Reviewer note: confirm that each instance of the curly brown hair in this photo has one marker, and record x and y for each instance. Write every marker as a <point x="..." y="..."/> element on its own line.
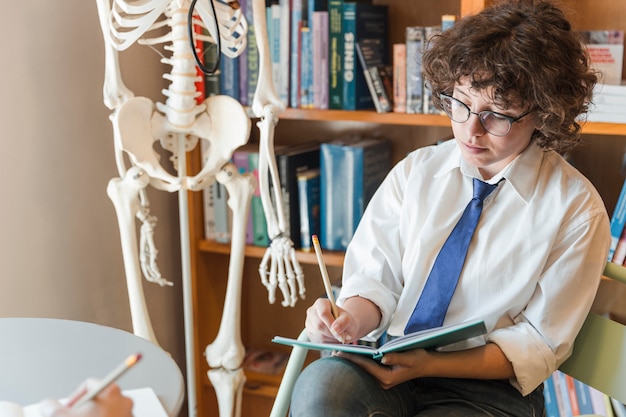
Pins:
<point x="527" y="52"/>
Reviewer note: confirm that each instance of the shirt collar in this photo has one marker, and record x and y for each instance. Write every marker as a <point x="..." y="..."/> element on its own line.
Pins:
<point x="521" y="173"/>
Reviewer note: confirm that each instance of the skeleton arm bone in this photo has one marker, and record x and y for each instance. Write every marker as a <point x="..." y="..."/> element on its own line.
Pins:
<point x="284" y="269"/>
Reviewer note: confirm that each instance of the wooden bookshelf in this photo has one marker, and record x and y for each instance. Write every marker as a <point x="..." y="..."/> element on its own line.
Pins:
<point x="600" y="159"/>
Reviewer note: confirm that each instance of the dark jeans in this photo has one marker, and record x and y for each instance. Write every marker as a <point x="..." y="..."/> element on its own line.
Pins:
<point x="333" y="387"/>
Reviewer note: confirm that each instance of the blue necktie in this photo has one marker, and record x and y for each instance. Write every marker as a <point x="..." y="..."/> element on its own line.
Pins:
<point x="431" y="308"/>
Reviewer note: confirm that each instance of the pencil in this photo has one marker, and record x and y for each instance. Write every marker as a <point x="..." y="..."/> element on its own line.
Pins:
<point x="324" y="271"/>
<point x="85" y="394"/>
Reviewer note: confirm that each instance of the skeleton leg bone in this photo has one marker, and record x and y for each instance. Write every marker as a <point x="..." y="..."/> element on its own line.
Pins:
<point x="227" y="350"/>
<point x="124" y="193"/>
<point x="228" y="387"/>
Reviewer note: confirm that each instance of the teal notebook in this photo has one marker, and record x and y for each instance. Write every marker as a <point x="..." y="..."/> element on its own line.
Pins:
<point x="424" y="339"/>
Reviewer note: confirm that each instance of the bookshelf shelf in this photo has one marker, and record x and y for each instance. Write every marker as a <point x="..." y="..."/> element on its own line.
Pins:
<point x="427" y="120"/>
<point x="308" y="258"/>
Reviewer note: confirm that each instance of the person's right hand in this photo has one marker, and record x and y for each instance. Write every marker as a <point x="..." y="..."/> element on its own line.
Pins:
<point x="108" y="403"/>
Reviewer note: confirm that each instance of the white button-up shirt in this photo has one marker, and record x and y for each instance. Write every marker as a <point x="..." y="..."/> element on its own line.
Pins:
<point x="532" y="268"/>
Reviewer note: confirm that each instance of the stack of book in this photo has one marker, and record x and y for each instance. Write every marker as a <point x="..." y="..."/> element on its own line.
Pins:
<point x="325" y="188"/>
<point x="566" y="396"/>
<point x="608" y="104"/>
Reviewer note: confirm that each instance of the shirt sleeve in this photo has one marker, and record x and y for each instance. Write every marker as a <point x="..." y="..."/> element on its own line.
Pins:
<point x="542" y="336"/>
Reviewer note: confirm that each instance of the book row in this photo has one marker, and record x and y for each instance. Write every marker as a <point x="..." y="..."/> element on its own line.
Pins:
<point x="566" y="396"/>
<point x="325" y="188"/>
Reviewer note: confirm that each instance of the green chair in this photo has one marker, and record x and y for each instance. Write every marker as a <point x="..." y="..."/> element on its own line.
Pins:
<point x="598" y="359"/>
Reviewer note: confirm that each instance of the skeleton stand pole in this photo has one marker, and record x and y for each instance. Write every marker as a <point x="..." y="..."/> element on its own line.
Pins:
<point x="183" y="215"/>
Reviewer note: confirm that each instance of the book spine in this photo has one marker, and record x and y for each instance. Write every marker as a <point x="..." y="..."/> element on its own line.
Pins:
<point x="259" y="223"/>
<point x="573" y="397"/>
<point x="618" y="220"/>
<point x="562" y="394"/>
<point x="229" y="79"/>
<point x="427" y="96"/>
<point x="222" y="213"/>
<point x="309" y="205"/>
<point x="399" y="78"/>
<point x="414" y="81"/>
<point x="335" y="50"/>
<point x="549" y="394"/>
<point x="597" y="401"/>
<point x="282" y="86"/>
<point x="211" y="81"/>
<point x="619" y="409"/>
<point x="334" y="210"/>
<point x="584" y="397"/>
<point x="296" y="50"/>
<point x="349" y="61"/>
<point x="368" y="77"/>
<point x="306" y="68"/>
<point x="320" y="60"/>
<point x="252" y="56"/>
<point x="240" y="159"/>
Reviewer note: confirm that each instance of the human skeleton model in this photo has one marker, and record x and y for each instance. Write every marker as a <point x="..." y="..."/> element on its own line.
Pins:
<point x="178" y="124"/>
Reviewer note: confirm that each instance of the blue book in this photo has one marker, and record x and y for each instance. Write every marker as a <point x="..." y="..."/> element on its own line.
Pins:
<point x="229" y="77"/>
<point x="549" y="393"/>
<point x="335" y="53"/>
<point x="351" y="168"/>
<point x="248" y="60"/>
<point x="562" y="394"/>
<point x="309" y="205"/>
<point x="360" y="21"/>
<point x="296" y="50"/>
<point x="618" y="220"/>
<point x="584" y="397"/>
<point x="306" y="68"/>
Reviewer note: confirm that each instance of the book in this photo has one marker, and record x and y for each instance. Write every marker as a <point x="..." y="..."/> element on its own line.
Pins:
<point x="549" y="395"/>
<point x="618" y="220"/>
<point x="572" y="394"/>
<point x="320" y="59"/>
<point x="360" y="21"/>
<point x="295" y="47"/>
<point x="352" y="168"/>
<point x="414" y="39"/>
<point x="335" y="53"/>
<point x="606" y="52"/>
<point x="562" y="394"/>
<point x="223" y="215"/>
<point x="583" y="396"/>
<point x="619" y="256"/>
<point x="399" y="77"/>
<point x="306" y="66"/>
<point x="291" y="160"/>
<point x="597" y="401"/>
<point x="309" y="205"/>
<point x="249" y="59"/>
<point x="229" y="77"/>
<point x="376" y="73"/>
<point x="428" y="106"/>
<point x="424" y="339"/>
<point x="282" y="86"/>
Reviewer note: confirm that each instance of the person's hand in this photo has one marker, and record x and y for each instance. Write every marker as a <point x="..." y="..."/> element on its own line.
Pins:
<point x="108" y="403"/>
<point x="322" y="327"/>
<point x="393" y="369"/>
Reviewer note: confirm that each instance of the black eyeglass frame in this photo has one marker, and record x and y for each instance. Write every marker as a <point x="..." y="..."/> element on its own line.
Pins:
<point x="510" y="119"/>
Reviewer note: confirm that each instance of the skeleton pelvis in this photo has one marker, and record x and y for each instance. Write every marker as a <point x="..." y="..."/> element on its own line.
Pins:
<point x="224" y="124"/>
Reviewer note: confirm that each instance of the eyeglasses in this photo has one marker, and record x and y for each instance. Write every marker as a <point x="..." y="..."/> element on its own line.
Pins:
<point x="497" y="124"/>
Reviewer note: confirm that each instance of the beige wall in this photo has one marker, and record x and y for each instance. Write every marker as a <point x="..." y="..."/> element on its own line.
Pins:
<point x="60" y="254"/>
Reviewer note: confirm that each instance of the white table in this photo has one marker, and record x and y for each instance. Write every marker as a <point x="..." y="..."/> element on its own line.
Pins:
<point x="48" y="358"/>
